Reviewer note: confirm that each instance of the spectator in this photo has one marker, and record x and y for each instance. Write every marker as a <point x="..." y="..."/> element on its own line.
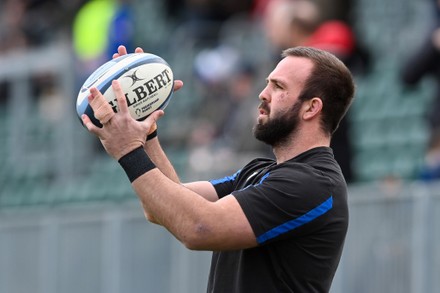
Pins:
<point x="203" y="18"/>
<point x="32" y="23"/>
<point x="425" y="61"/>
<point x="12" y="34"/>
<point x="227" y="112"/>
<point x="99" y="27"/>
<point x="431" y="168"/>
<point x="303" y="25"/>
<point x="121" y="28"/>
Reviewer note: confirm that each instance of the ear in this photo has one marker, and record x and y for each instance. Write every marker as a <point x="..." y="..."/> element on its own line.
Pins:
<point x="312" y="108"/>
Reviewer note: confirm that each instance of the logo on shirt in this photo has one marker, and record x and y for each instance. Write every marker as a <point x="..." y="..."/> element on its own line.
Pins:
<point x="252" y="175"/>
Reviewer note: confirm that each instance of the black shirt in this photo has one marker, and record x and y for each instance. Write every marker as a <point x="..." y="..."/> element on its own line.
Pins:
<point x="298" y="212"/>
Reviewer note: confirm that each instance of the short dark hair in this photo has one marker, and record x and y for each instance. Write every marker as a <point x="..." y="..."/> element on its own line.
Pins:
<point x="330" y="80"/>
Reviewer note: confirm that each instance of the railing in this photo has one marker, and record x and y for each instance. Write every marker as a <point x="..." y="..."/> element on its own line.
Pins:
<point x="39" y="113"/>
<point x="392" y="246"/>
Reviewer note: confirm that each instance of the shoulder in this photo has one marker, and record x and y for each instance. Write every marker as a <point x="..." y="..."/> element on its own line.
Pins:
<point x="313" y="172"/>
<point x="259" y="162"/>
<point x="315" y="163"/>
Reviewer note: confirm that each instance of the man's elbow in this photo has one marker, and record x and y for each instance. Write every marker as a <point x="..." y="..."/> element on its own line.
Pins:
<point x="150" y="218"/>
<point x="198" y="238"/>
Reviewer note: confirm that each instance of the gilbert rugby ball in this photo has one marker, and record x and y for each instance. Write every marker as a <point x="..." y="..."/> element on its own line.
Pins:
<point x="146" y="80"/>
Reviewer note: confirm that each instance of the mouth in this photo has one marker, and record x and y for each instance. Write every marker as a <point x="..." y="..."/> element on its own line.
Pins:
<point x="263" y="113"/>
<point x="263" y="109"/>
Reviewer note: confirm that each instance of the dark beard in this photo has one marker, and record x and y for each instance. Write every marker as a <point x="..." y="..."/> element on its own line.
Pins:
<point x="276" y="130"/>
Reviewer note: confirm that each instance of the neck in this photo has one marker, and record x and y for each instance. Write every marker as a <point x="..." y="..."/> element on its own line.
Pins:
<point x="299" y="143"/>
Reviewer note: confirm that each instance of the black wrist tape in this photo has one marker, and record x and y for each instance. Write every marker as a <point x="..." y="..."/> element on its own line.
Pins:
<point x="152" y="135"/>
<point x="136" y="163"/>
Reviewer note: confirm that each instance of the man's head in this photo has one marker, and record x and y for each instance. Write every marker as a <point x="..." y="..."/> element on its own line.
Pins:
<point x="306" y="78"/>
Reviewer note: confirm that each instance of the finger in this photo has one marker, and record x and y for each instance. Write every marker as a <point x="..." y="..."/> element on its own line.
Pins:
<point x="120" y="97"/>
<point x="101" y="108"/>
<point x="152" y="119"/>
<point x="115" y="55"/>
<point x="122" y="50"/>
<point x="139" y="50"/>
<point x="155" y="116"/>
<point x="89" y="125"/>
<point x="178" y="84"/>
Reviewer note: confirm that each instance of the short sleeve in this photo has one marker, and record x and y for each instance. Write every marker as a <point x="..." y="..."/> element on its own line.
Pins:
<point x="225" y="185"/>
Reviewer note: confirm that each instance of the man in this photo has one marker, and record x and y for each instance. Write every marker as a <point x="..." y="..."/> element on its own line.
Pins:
<point x="275" y="225"/>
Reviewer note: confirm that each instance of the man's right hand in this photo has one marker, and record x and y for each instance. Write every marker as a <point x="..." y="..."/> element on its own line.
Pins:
<point x="178" y="84"/>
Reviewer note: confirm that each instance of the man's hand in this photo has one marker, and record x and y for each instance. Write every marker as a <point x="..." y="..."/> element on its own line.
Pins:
<point x="120" y="133"/>
<point x="178" y="84"/>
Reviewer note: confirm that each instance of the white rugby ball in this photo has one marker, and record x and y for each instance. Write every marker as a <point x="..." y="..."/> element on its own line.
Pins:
<point x="146" y="80"/>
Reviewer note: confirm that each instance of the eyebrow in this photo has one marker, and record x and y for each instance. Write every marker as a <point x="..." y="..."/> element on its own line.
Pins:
<point x="275" y="81"/>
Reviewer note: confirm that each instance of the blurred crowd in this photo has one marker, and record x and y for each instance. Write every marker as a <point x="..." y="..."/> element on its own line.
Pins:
<point x="425" y="61"/>
<point x="227" y="81"/>
<point x="32" y="24"/>
<point x="28" y="24"/>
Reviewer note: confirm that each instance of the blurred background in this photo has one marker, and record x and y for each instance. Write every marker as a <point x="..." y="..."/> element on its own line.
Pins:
<point x="69" y="221"/>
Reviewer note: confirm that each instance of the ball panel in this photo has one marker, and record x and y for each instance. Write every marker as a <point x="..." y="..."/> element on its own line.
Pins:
<point x="146" y="79"/>
<point x="146" y="87"/>
<point x="102" y="70"/>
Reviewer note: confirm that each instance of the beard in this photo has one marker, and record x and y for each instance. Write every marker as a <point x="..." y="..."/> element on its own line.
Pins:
<point x="276" y="131"/>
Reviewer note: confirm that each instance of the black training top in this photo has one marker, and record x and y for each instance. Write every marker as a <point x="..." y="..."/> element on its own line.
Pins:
<point x="298" y="212"/>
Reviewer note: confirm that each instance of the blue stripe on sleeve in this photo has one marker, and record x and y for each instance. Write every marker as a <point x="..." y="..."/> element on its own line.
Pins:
<point x="225" y="179"/>
<point x="264" y="178"/>
<point x="295" y="223"/>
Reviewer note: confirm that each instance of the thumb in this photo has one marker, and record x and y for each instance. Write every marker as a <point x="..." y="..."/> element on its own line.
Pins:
<point x="154" y="117"/>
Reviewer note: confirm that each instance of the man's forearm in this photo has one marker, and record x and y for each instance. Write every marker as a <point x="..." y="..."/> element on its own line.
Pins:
<point x="159" y="158"/>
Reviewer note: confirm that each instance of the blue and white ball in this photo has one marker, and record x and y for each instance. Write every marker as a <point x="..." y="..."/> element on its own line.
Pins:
<point x="146" y="80"/>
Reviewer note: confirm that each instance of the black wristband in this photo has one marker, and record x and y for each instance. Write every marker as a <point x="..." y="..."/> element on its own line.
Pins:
<point x="152" y="135"/>
<point x="136" y="163"/>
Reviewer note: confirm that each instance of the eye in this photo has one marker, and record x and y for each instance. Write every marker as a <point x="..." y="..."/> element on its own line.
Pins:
<point x="277" y="85"/>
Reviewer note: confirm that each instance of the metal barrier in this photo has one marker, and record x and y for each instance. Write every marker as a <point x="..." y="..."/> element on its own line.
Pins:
<point x="43" y="134"/>
<point x="391" y="247"/>
<point x="392" y="238"/>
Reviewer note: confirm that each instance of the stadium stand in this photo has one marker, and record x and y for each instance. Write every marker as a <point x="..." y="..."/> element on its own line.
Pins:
<point x="389" y="128"/>
<point x="389" y="133"/>
<point x="66" y="209"/>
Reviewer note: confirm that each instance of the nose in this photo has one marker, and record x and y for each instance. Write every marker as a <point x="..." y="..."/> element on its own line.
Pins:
<point x="264" y="95"/>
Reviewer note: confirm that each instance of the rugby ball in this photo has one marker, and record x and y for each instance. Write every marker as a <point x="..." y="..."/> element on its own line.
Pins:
<point x="146" y="80"/>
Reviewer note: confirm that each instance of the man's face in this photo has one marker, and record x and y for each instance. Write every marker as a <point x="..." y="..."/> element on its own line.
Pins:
<point x="280" y="110"/>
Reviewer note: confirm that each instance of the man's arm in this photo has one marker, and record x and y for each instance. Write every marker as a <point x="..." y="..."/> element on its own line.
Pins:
<point x="158" y="157"/>
<point x="197" y="222"/>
